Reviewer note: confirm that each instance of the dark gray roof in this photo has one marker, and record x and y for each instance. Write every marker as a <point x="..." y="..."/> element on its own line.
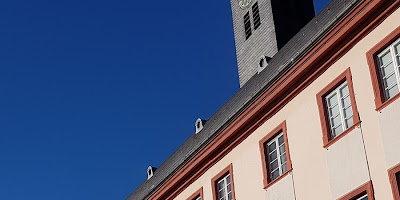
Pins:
<point x="299" y="45"/>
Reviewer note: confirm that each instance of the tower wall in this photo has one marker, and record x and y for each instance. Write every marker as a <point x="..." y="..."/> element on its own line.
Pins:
<point x="280" y="21"/>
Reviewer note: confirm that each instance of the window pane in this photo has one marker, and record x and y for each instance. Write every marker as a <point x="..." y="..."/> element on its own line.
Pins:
<point x="349" y="122"/>
<point x="272" y="147"/>
<point x="344" y="91"/>
<point x="334" y="110"/>
<point x="274" y="165"/>
<point x="221" y="185"/>
<point x="346" y="102"/>
<point x="387" y="69"/>
<point x="228" y="179"/>
<point x="274" y="175"/>
<point x="390" y="80"/>
<point x="284" y="169"/>
<point x="281" y="140"/>
<point x="385" y="58"/>
<point x="273" y="156"/>
<point x="348" y="112"/>
<point x="397" y="48"/>
<point x="398" y="60"/>
<point x="332" y="100"/>
<point x="221" y="194"/>
<point x="392" y="91"/>
<point x="397" y="52"/>
<point x="230" y="196"/>
<point x="282" y="149"/>
<point x="229" y="188"/>
<point x="336" y="131"/>
<point x="336" y="121"/>
<point x="283" y="158"/>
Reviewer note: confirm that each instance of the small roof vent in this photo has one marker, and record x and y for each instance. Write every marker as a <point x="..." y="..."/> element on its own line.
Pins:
<point x="199" y="124"/>
<point x="264" y="60"/>
<point x="150" y="172"/>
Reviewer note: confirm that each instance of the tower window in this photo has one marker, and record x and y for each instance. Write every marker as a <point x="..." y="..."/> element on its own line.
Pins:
<point x="256" y="16"/>
<point x="247" y="25"/>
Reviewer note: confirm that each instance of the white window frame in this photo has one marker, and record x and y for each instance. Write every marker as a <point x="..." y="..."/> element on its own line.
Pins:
<point x="339" y="99"/>
<point x="396" y="65"/>
<point x="366" y="195"/>
<point x="198" y="198"/>
<point x="278" y="157"/>
<point x="226" y="192"/>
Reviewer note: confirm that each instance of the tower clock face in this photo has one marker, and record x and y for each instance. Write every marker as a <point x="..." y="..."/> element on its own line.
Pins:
<point x="244" y="3"/>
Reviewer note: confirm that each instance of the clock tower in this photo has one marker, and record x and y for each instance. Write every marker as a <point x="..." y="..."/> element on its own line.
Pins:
<point x="262" y="27"/>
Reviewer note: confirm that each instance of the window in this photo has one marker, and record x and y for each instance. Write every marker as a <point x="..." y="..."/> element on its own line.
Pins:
<point x="198" y="195"/>
<point x="275" y="155"/>
<point x="256" y="20"/>
<point x="394" y="177"/>
<point x="364" y="192"/>
<point x="337" y="108"/>
<point x="340" y="113"/>
<point x="388" y="63"/>
<point x="256" y="15"/>
<point x="384" y="64"/>
<point x="222" y="185"/>
<point x="247" y="25"/>
<point x="224" y="189"/>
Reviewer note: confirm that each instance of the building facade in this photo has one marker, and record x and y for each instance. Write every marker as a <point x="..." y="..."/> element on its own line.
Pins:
<point x="319" y="119"/>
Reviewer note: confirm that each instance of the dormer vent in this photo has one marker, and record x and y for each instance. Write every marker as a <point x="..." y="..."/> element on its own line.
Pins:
<point x="199" y="124"/>
<point x="264" y="60"/>
<point x="150" y="172"/>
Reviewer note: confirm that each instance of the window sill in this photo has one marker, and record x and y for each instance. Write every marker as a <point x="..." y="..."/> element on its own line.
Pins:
<point x="268" y="185"/>
<point x="337" y="138"/>
<point x="387" y="102"/>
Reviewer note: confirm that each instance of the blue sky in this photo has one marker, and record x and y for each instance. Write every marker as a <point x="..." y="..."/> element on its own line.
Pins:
<point x="93" y="92"/>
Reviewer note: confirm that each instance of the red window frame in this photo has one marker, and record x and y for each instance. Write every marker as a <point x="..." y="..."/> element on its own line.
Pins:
<point x="223" y="173"/>
<point x="359" y="192"/>
<point x="380" y="101"/>
<point x="394" y="182"/>
<point x="323" y="113"/>
<point x="280" y="128"/>
<point x="196" y="195"/>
